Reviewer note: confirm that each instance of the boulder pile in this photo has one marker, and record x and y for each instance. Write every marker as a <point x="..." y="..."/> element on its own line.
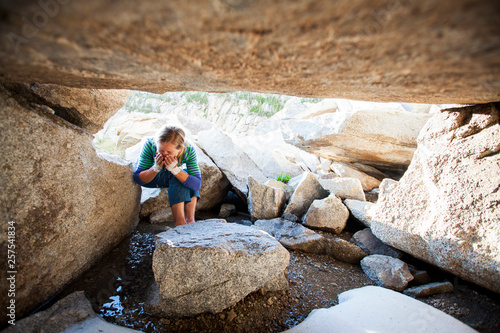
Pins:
<point x="311" y="211"/>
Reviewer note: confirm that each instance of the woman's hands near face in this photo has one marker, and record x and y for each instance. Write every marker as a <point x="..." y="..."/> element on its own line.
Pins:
<point x="168" y="160"/>
<point x="159" y="160"/>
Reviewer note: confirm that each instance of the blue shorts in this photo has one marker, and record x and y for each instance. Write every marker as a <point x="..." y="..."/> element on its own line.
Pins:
<point x="177" y="192"/>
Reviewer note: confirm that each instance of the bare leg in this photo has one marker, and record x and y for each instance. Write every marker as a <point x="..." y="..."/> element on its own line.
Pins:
<point x="178" y="212"/>
<point x="189" y="210"/>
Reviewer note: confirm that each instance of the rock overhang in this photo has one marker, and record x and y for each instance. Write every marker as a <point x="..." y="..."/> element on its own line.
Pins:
<point x="425" y="51"/>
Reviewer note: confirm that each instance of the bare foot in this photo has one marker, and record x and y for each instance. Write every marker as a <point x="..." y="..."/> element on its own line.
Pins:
<point x="190" y="222"/>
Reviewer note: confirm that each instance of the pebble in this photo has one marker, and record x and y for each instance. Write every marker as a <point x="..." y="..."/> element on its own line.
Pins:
<point x="231" y="315"/>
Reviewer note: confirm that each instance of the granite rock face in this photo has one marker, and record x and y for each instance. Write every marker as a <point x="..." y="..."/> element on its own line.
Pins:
<point x="378" y="137"/>
<point x="444" y="210"/>
<point x="88" y="109"/>
<point x="398" y="50"/>
<point x="69" y="205"/>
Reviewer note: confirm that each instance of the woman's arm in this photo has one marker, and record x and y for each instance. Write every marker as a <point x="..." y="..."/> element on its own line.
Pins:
<point x="144" y="172"/>
<point x="192" y="178"/>
<point x="148" y="175"/>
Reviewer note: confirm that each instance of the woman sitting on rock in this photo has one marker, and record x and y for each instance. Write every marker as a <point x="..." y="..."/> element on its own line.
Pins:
<point x="158" y="166"/>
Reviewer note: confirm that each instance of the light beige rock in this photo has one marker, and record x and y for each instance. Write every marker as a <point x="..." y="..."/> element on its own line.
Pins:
<point x="214" y="185"/>
<point x="264" y="202"/>
<point x="445" y="208"/>
<point x="278" y="184"/>
<point x="155" y="204"/>
<point x="327" y="214"/>
<point x="232" y="161"/>
<point x="344" y="187"/>
<point x="307" y="189"/>
<point x="361" y="210"/>
<point x="131" y="128"/>
<point x="345" y="170"/>
<point x="272" y="155"/>
<point x="382" y="138"/>
<point x="387" y="185"/>
<point x="367" y="309"/>
<point x="218" y="263"/>
<point x="70" y="206"/>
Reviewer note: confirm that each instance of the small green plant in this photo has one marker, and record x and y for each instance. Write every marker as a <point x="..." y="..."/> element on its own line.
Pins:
<point x="283" y="178"/>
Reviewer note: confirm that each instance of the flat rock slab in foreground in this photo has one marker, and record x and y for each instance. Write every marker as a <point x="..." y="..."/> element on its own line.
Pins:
<point x="376" y="309"/>
<point x="209" y="266"/>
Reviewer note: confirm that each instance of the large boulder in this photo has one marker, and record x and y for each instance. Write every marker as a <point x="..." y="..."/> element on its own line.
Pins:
<point x="214" y="184"/>
<point x="327" y="214"/>
<point x="444" y="210"/>
<point x="307" y="189"/>
<point x="274" y="156"/>
<point x="383" y="138"/>
<point x="68" y="205"/>
<point x="264" y="201"/>
<point x="231" y="160"/>
<point x="209" y="266"/>
<point x="272" y="162"/>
